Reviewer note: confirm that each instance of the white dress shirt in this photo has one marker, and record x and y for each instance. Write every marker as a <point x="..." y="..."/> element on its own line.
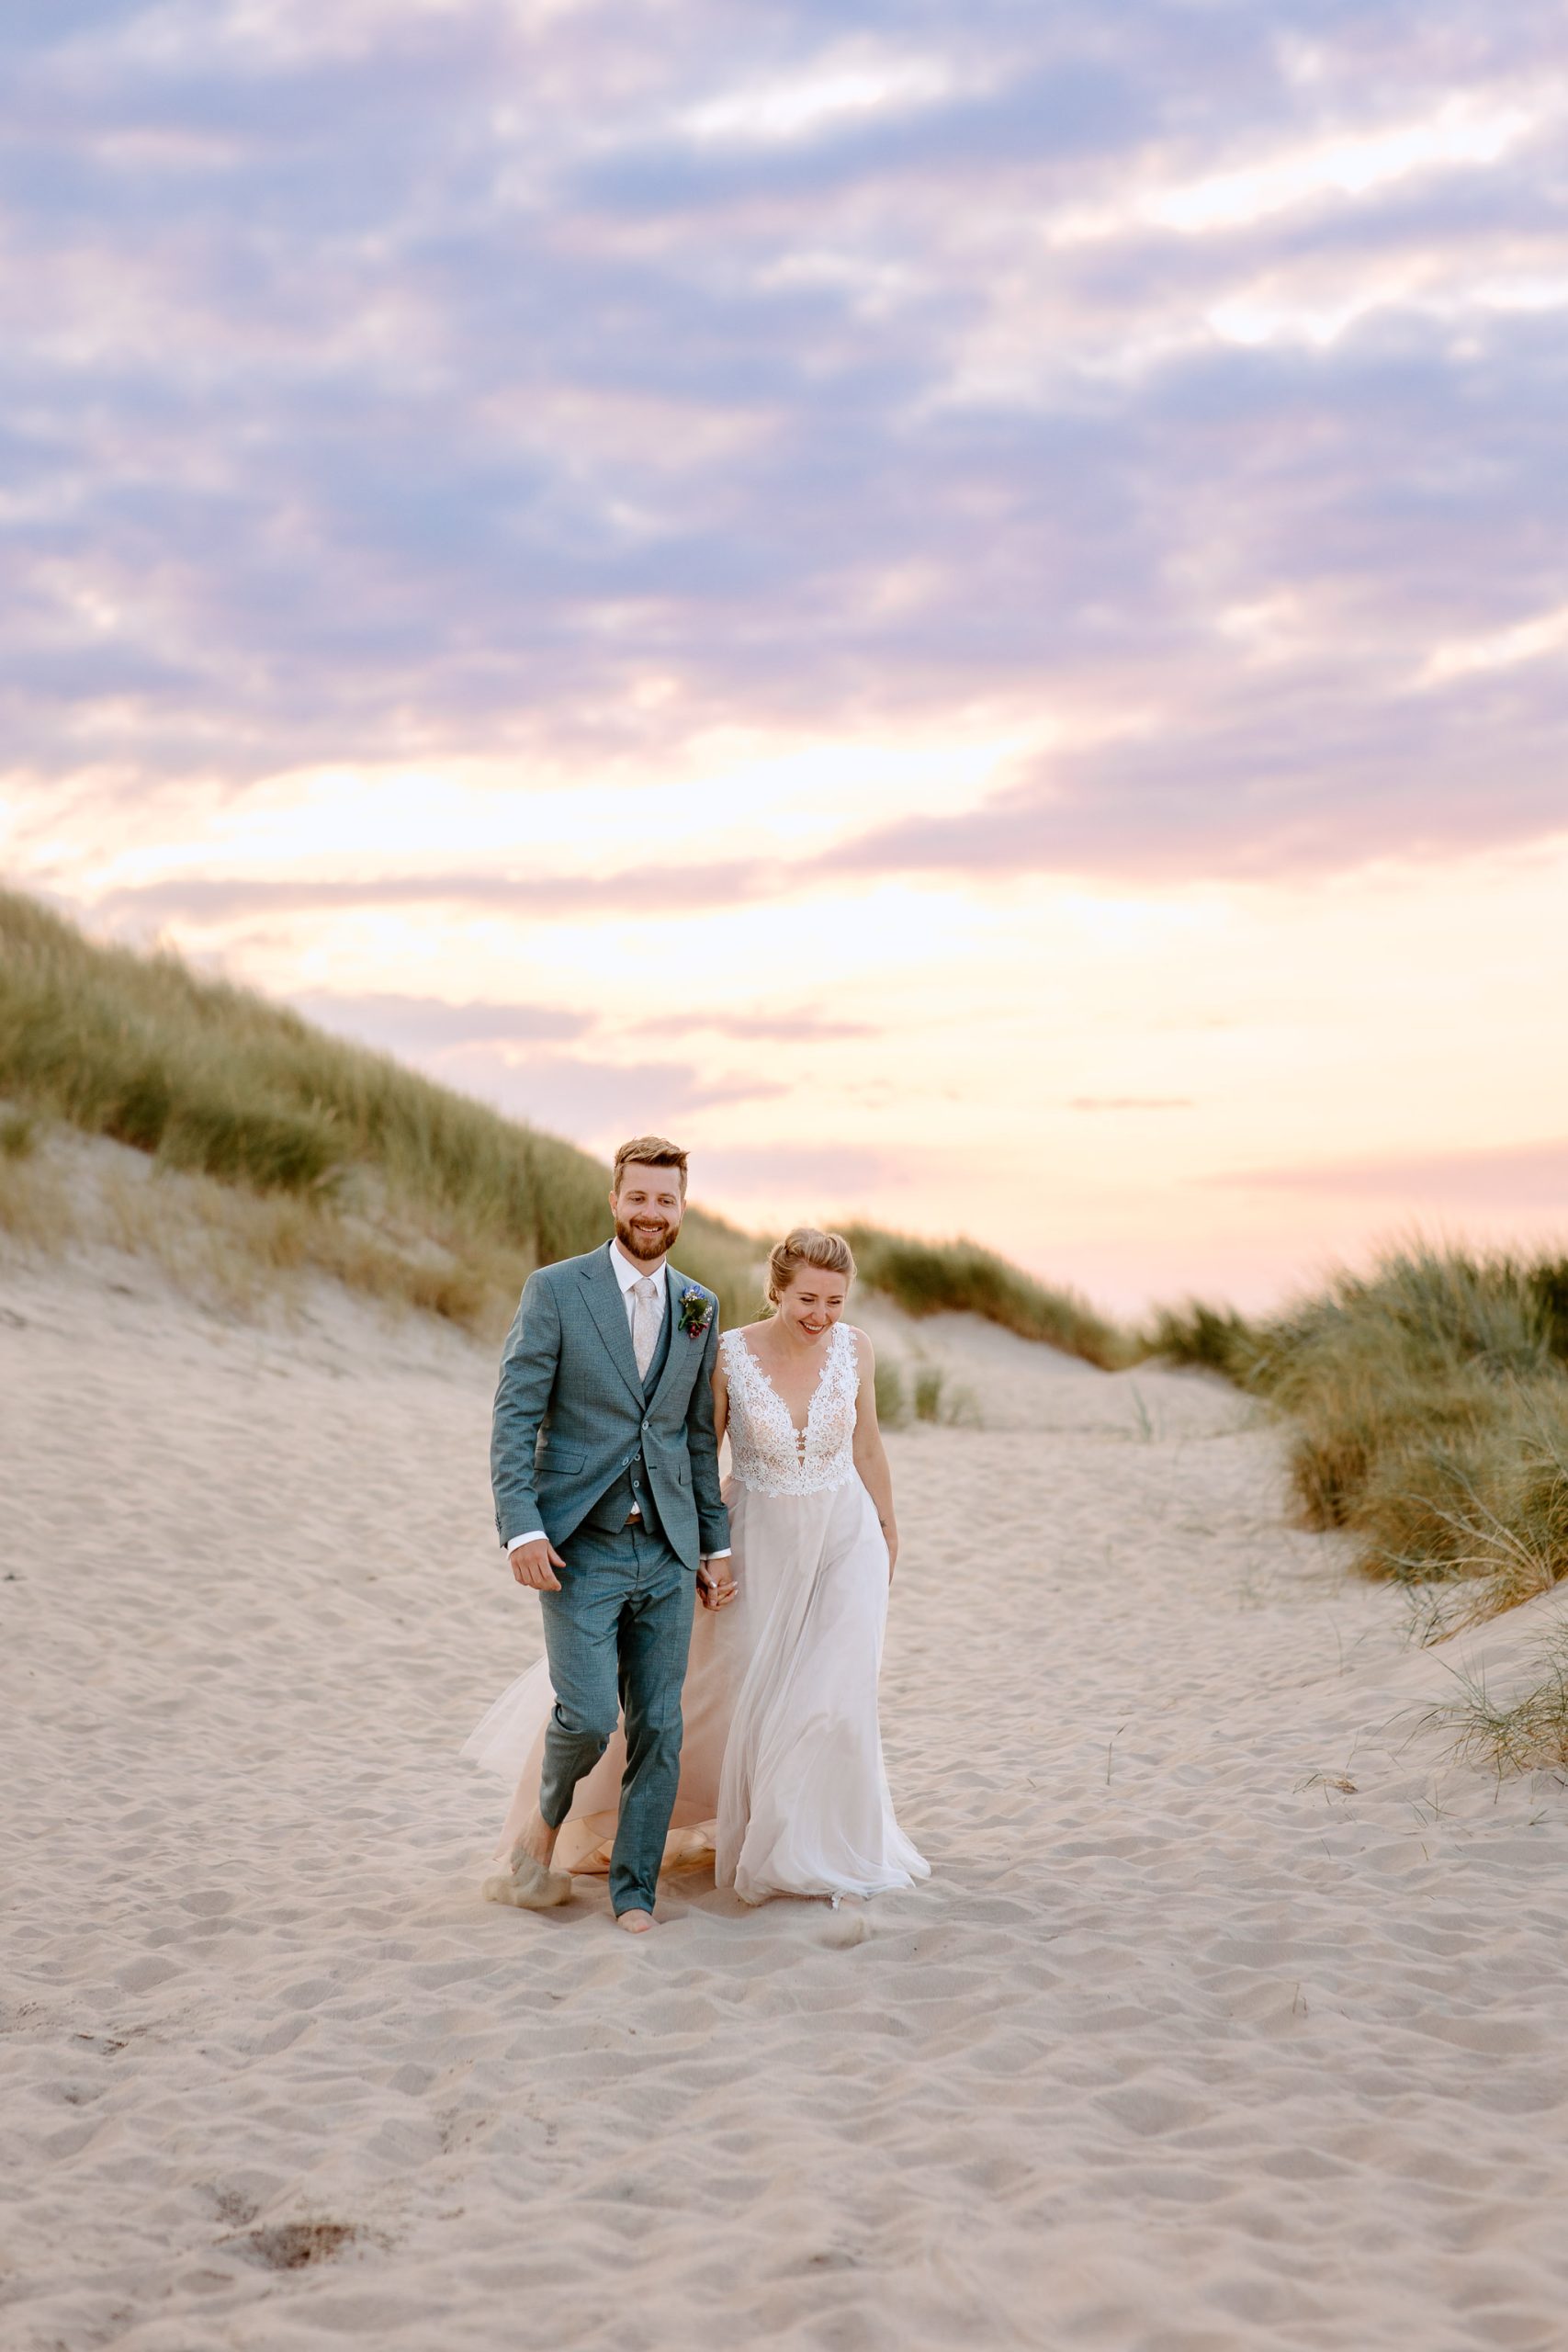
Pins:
<point x="628" y="1274"/>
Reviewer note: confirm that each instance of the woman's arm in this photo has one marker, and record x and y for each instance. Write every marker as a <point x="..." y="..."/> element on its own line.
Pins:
<point x="720" y="1402"/>
<point x="870" y="1455"/>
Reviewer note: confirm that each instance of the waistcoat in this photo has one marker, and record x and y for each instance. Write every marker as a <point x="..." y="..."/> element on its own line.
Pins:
<point x="634" y="1484"/>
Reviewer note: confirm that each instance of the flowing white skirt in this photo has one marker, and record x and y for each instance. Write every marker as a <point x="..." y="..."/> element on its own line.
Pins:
<point x="782" y="1775"/>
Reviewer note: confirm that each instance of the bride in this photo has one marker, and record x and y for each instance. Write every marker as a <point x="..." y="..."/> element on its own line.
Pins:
<point x="782" y="1776"/>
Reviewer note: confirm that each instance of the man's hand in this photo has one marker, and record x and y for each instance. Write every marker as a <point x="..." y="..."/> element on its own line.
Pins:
<point x="536" y="1564"/>
<point x="716" y="1586"/>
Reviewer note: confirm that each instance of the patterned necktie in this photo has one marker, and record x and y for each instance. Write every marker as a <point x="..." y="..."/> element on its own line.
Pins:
<point x="645" y="1323"/>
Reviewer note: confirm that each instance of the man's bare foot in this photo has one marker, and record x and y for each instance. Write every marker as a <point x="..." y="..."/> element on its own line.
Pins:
<point x="536" y="1838"/>
<point x="529" y="1885"/>
<point x="528" y="1881"/>
<point x="636" y="1923"/>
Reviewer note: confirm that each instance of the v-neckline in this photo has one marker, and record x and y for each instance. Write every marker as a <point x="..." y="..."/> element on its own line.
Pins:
<point x="800" y="1435"/>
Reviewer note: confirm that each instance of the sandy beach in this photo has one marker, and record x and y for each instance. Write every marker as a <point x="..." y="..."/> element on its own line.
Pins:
<point x="1232" y="2016"/>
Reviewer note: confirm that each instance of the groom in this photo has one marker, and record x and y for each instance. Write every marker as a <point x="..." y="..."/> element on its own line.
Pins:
<point x="607" y="1503"/>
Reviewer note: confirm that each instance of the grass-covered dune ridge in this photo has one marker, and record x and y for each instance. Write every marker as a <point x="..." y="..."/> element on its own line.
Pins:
<point x="343" y="1142"/>
<point x="330" y="1155"/>
<point x="959" y="1277"/>
<point x="1429" y="1404"/>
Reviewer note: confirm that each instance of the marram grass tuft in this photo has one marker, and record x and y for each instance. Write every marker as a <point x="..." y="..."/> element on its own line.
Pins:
<point x="1429" y="1404"/>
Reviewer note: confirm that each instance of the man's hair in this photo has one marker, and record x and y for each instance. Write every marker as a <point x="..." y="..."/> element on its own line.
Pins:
<point x="650" y="1151"/>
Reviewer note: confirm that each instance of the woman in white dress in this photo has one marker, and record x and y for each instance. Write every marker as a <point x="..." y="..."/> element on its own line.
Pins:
<point x="781" y="1773"/>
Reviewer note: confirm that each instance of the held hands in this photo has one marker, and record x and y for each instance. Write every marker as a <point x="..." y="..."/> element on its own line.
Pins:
<point x="536" y="1564"/>
<point x="715" y="1587"/>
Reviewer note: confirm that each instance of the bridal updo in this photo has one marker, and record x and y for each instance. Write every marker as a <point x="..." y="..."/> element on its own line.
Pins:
<point x="806" y="1246"/>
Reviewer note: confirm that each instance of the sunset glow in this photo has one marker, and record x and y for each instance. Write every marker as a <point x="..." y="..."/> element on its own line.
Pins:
<point x="976" y="627"/>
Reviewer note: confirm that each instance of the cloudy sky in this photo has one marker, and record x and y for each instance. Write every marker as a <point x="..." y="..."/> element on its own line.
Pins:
<point x="965" y="608"/>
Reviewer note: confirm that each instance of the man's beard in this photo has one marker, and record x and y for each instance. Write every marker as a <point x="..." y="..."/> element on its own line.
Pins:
<point x="643" y="1245"/>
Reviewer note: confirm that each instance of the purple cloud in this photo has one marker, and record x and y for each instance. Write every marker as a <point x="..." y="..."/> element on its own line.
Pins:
<point x="803" y="1027"/>
<point x="597" y="1102"/>
<point x="414" y="384"/>
<point x="510" y="1053"/>
<point x="215" y="899"/>
<point x="410" y="1025"/>
<point x="817" y="1175"/>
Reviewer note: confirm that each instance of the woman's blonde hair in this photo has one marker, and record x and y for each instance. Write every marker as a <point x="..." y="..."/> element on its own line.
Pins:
<point x="806" y="1246"/>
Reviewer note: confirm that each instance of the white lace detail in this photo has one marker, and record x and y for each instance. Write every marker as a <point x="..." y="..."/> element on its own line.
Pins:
<point x="770" y="1455"/>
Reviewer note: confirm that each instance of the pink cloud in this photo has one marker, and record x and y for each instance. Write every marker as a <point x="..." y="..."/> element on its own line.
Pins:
<point x="1503" y="1176"/>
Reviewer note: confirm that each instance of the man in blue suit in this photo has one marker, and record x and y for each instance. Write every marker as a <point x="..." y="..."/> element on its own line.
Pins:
<point x="607" y="1504"/>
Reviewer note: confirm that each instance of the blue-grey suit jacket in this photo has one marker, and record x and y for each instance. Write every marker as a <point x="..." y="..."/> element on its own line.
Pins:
<point x="571" y="1413"/>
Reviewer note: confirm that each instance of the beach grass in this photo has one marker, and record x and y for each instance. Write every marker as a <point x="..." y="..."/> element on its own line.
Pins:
<point x="891" y="1393"/>
<point x="36" y="1214"/>
<point x="18" y="1135"/>
<point x="936" y="1398"/>
<point x="1527" y="1734"/>
<point x="1428" y="1404"/>
<point x="1203" y="1338"/>
<point x="961" y="1278"/>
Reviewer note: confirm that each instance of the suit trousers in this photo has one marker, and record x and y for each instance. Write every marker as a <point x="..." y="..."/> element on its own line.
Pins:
<point x="617" y="1634"/>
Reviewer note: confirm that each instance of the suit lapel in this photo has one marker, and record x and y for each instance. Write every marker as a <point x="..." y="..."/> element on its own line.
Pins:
<point x="608" y="1310"/>
<point x="680" y="1346"/>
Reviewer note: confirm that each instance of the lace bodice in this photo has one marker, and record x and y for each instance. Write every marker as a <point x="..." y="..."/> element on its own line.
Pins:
<point x="771" y="1456"/>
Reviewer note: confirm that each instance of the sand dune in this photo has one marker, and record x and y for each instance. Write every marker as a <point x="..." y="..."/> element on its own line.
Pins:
<point x="1231" y="2016"/>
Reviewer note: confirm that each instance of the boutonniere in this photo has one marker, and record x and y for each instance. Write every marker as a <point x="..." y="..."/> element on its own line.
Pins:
<point x="697" y="1311"/>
